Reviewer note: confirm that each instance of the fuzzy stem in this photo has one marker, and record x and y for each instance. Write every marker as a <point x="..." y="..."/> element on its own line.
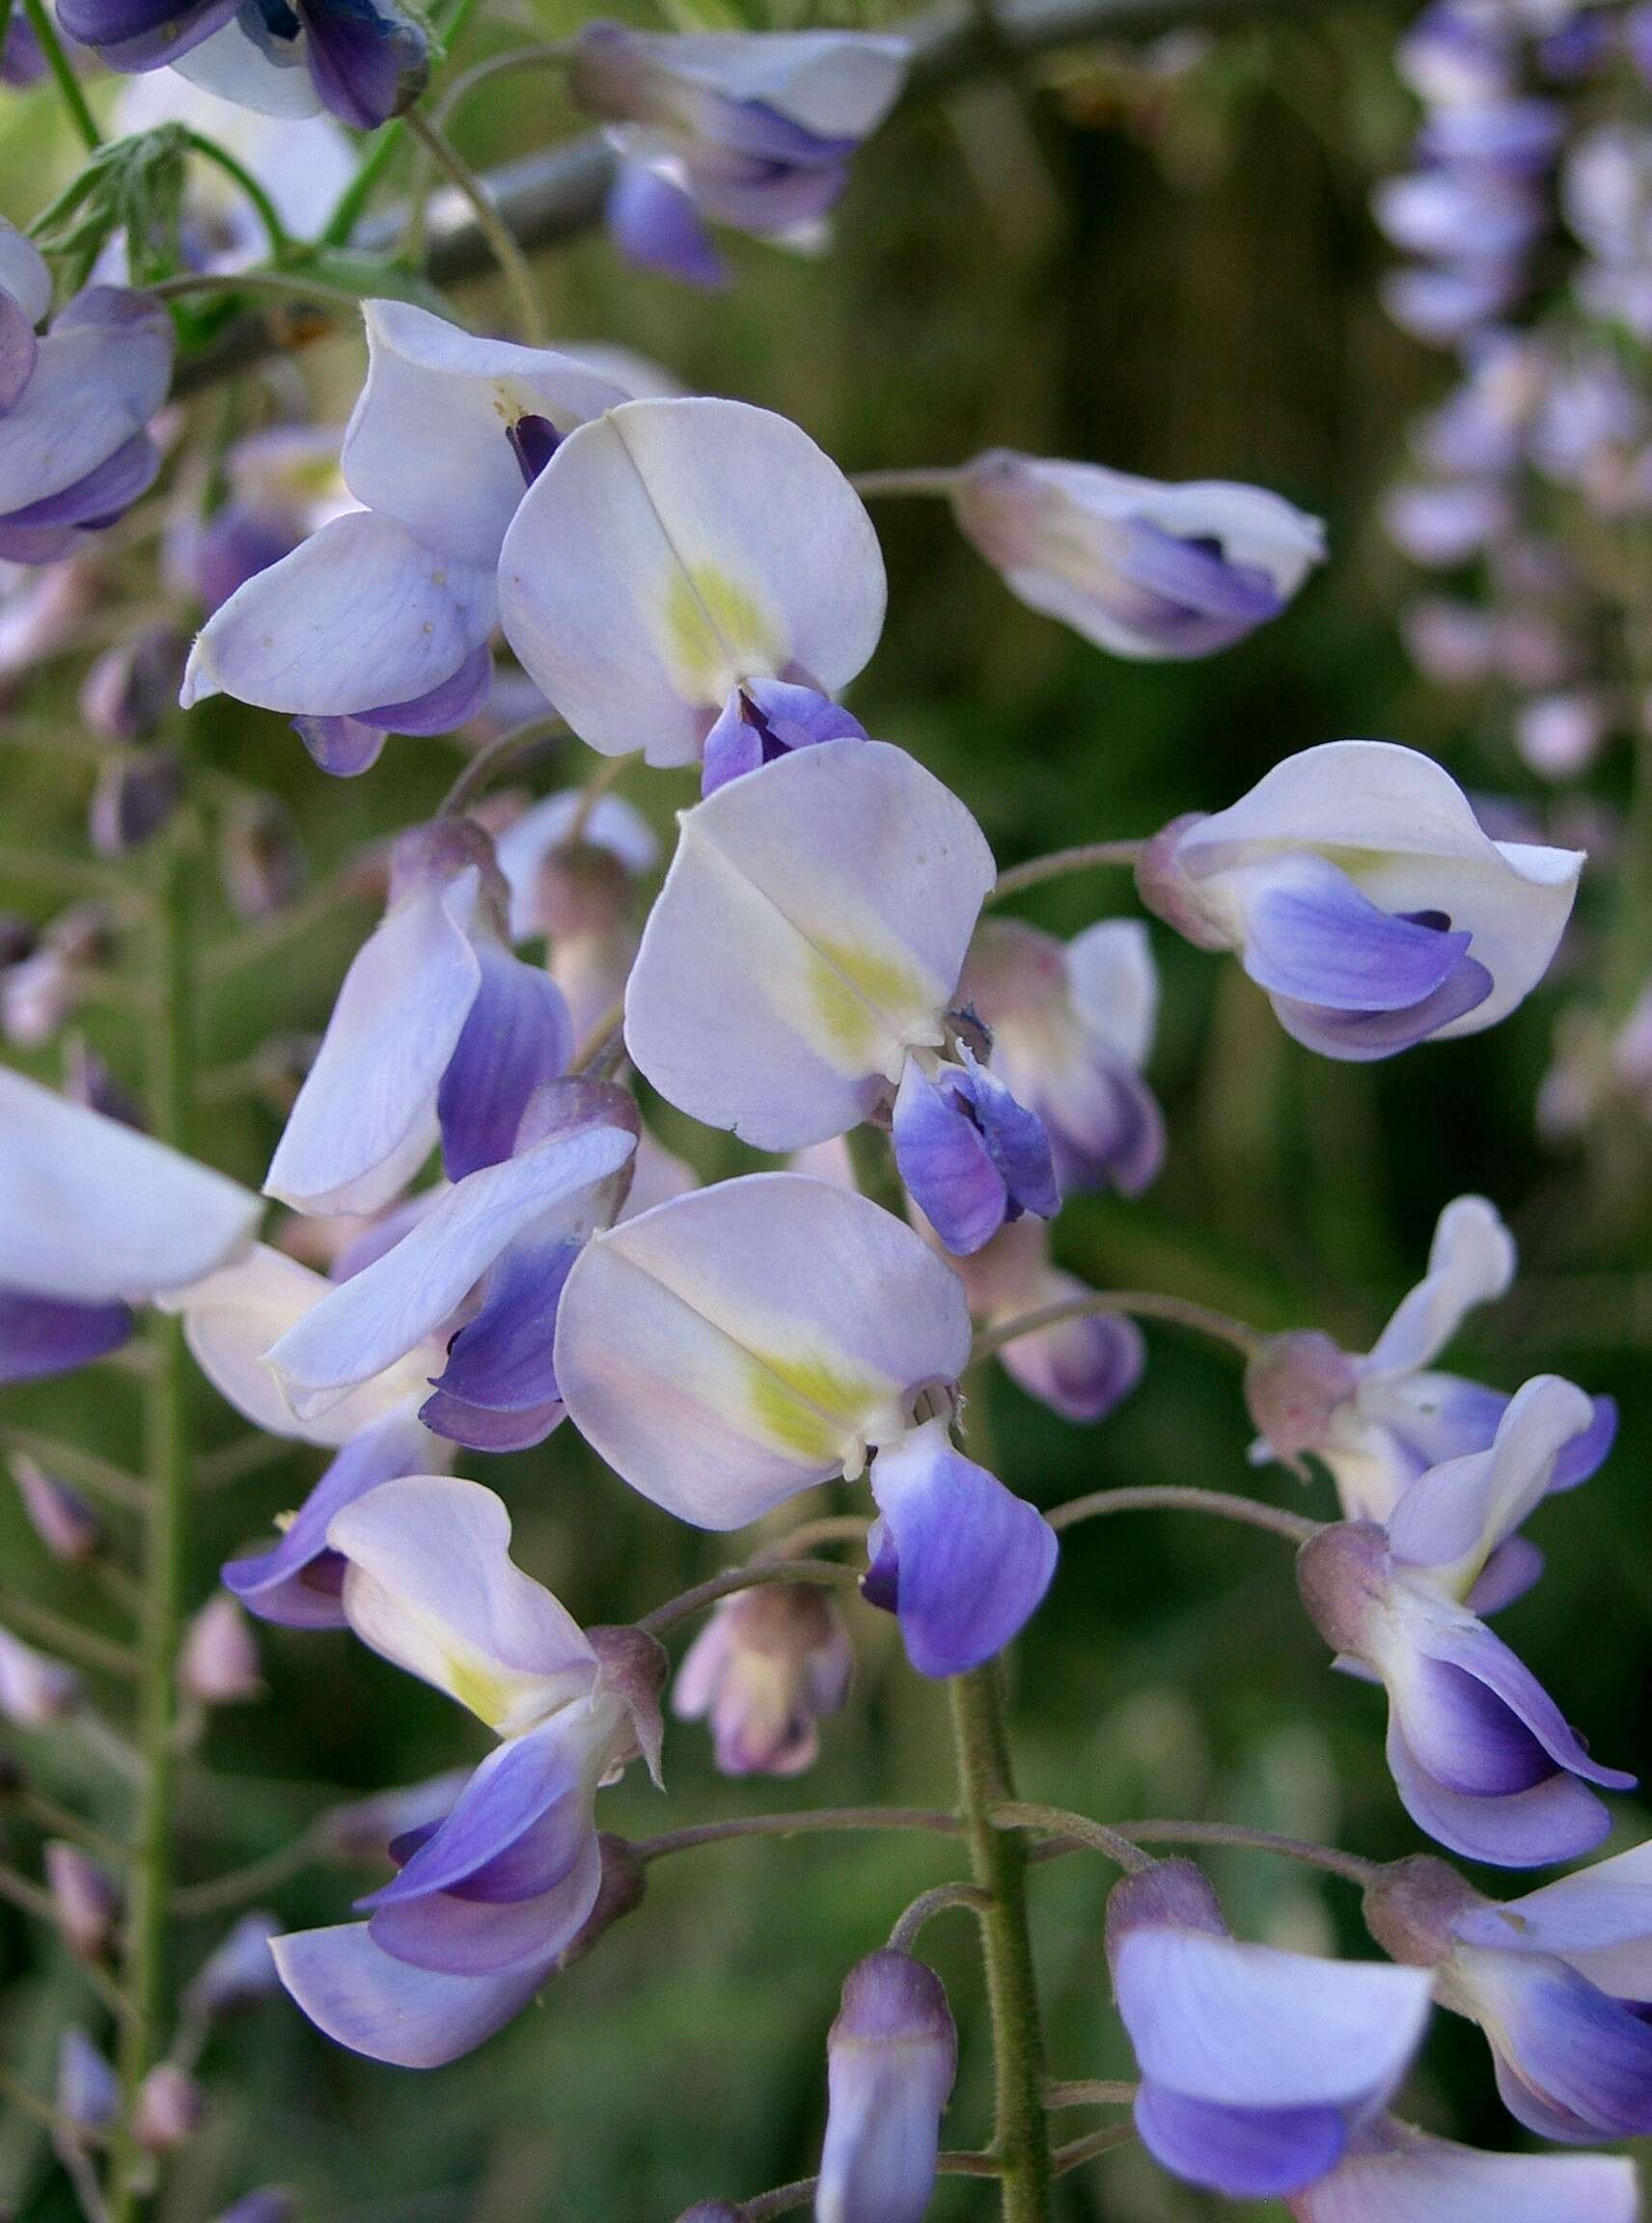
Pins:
<point x="1168" y="1497"/>
<point x="936" y="481"/>
<point x="928" y="1903"/>
<point x="1085" y="857"/>
<point x="820" y="1572"/>
<point x="268" y="216"/>
<point x="501" y="240"/>
<point x="173" y="1041"/>
<point x="508" y="753"/>
<point x="62" y="69"/>
<point x="1022" y="2139"/>
<point x="1139" y="1303"/>
<point x="806" y="1821"/>
<point x="1056" y="1821"/>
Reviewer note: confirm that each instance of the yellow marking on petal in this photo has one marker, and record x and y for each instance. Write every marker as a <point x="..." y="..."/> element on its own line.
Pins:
<point x="808" y="1405"/>
<point x="487" y="1695"/>
<point x="716" y="633"/>
<point x="865" y="999"/>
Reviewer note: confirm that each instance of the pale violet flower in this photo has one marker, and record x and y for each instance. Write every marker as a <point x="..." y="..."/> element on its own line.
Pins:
<point x="1141" y="568"/>
<point x="1482" y="1758"/>
<point x="1081" y="1367"/>
<point x="1362" y="895"/>
<point x="468" y="1930"/>
<point x="768" y="1663"/>
<point x="581" y="895"/>
<point x="25" y="298"/>
<point x="1395" y="2173"/>
<point x="694" y="578"/>
<point x="1259" y="2068"/>
<point x="892" y="2056"/>
<point x="755" y="131"/>
<point x="379" y="622"/>
<point x="799" y="971"/>
<point x="746" y="1342"/>
<point x="281" y="484"/>
<point x="1380" y="1420"/>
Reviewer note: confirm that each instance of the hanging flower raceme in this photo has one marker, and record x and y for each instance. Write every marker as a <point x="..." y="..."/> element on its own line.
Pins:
<point x="1143" y="569"/>
<point x="485" y="1901"/>
<point x="892" y="2057"/>
<point x="693" y="577"/>
<point x="1081" y="1367"/>
<point x="753" y="130"/>
<point x="95" y="1218"/>
<point x="798" y="973"/>
<point x="1481" y="1756"/>
<point x="75" y="402"/>
<point x="1071" y="1026"/>
<point x="1560" y="1982"/>
<point x="1395" y="2173"/>
<point x="364" y="61"/>
<point x="573" y="872"/>
<point x="1259" y="2068"/>
<point x="1361" y="894"/>
<point x="768" y="1663"/>
<point x="1379" y="1422"/>
<point x="379" y="622"/>
<point x="737" y="1345"/>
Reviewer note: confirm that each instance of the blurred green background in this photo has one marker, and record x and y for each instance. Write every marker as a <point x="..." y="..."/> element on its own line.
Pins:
<point x="1172" y="273"/>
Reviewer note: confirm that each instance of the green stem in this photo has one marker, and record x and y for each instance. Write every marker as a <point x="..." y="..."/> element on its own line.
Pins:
<point x="173" y="1041"/>
<point x="501" y="240"/>
<point x="284" y="285"/>
<point x="239" y="175"/>
<point x="62" y="69"/>
<point x="508" y="752"/>
<point x="806" y="1822"/>
<point x="925" y="481"/>
<point x="999" y="1860"/>
<point x="1087" y="858"/>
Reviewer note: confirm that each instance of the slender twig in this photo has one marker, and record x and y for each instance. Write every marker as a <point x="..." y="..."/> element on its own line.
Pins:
<point x="1088" y="857"/>
<point x="830" y="1528"/>
<point x="70" y="875"/>
<point x="508" y="753"/>
<point x="251" y="1881"/>
<point x="928" y="1903"/>
<point x="61" y="1821"/>
<point x="273" y="933"/>
<point x="925" y="482"/>
<point x="808" y="1821"/>
<point x="62" y="69"/>
<point x="823" y="1573"/>
<point x="84" y="1646"/>
<point x="101" y="1476"/>
<point x="788" y="2199"/>
<point x="608" y="774"/>
<point x="1138" y="1304"/>
<point x="1056" y="1821"/>
<point x="62" y="2126"/>
<point x="268" y="216"/>
<point x="495" y="229"/>
<point x="28" y="1898"/>
<point x="1078" y="2151"/>
<point x="555" y="54"/>
<point x="1168" y="1497"/>
<point x="1327" y="1857"/>
<point x="282" y="284"/>
<point x="1087" y="2091"/>
<point x="240" y="1459"/>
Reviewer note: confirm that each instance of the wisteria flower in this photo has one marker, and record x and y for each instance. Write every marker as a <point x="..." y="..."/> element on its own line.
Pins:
<point x="1259" y="2067"/>
<point x="1481" y="1756"/>
<point x="1071" y="1027"/>
<point x="95" y="1218"/>
<point x="485" y="1901"/>
<point x="799" y="972"/>
<point x="727" y="580"/>
<point x="766" y="1666"/>
<point x="1081" y="1367"/>
<point x="755" y="131"/>
<point x="1560" y="1982"/>
<point x="1363" y="897"/>
<point x="572" y="873"/>
<point x="379" y="622"/>
<point x="1378" y="1421"/>
<point x="737" y="1345"/>
<point x="280" y="485"/>
<point x="892" y="2057"/>
<point x="1140" y="568"/>
<point x="75" y="403"/>
<point x="1395" y="2173"/>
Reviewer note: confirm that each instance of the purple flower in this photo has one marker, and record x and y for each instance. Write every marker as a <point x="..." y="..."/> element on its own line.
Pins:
<point x="1395" y="2173"/>
<point x="239" y="1974"/>
<point x="972" y="1158"/>
<point x="1258" y="2066"/>
<point x="35" y="1690"/>
<point x="755" y="131"/>
<point x="59" y="1517"/>
<point x="1079" y="1368"/>
<point x="764" y="718"/>
<point x="485" y="1901"/>
<point x="766" y="1666"/>
<point x="1560" y="1982"/>
<point x="280" y="484"/>
<point x="86" y="1899"/>
<point x="892" y="2056"/>
<point x="743" y="1343"/>
<point x="1364" y="897"/>
<point x="1481" y="1756"/>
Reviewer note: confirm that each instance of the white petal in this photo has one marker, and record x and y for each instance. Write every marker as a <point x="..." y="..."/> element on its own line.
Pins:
<point x="811" y="928"/>
<point x="839" y="84"/>
<point x="737" y="1344"/>
<point x="303" y="161"/>
<point x="673" y="548"/>
<point x="365" y="1120"/>
<point x="369" y="1322"/>
<point x="1599" y="1920"/>
<point x="1115" y="986"/>
<point x="237" y="69"/>
<point x="1408" y="2177"/>
<point x="362" y="616"/>
<point x="427" y="442"/>
<point x="232" y="1318"/>
<point x="91" y="1210"/>
<point x="1470" y="1261"/>
<point x="23" y="273"/>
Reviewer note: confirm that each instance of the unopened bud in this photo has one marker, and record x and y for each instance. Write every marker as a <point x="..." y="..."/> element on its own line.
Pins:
<point x="1293" y="1389"/>
<point x="88" y="2091"/>
<point x="710" y="2212"/>
<point x="135" y="798"/>
<point x="580" y="890"/>
<point x="892" y="2056"/>
<point x="239" y="1974"/>
<point x="34" y="1689"/>
<point x="1413" y="1908"/>
<point x="260" y="859"/>
<point x="218" y="1661"/>
<point x="270" y="2205"/>
<point x="86" y="1900"/>
<point x="132" y="689"/>
<point x="58" y="1516"/>
<point x="168" y="2108"/>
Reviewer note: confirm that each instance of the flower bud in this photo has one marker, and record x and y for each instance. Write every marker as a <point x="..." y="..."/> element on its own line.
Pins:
<point x="132" y="689"/>
<point x="710" y="2212"/>
<point x="364" y="1828"/>
<point x="892" y="2056"/>
<point x="63" y="1521"/>
<point x="240" y="1973"/>
<point x="88" y="2091"/>
<point x="764" y="1669"/>
<point x="218" y="1661"/>
<point x="260" y="860"/>
<point x="135" y="798"/>
<point x="34" y="1689"/>
<point x="580" y="889"/>
<point x="271" y="2205"/>
<point x="86" y="1900"/>
<point x="1293" y="1387"/>
<point x="168" y="2108"/>
<point x="624" y="1882"/>
<point x="1413" y="1908"/>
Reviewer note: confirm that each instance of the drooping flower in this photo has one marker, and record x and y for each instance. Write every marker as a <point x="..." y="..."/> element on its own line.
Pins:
<point x="379" y="622"/>
<point x="580" y="894"/>
<point x="1081" y="1367"/>
<point x="94" y="1219"/>
<point x="1380" y="1420"/>
<point x="86" y="1900"/>
<point x="60" y="1518"/>
<point x="483" y="1904"/>
<point x="1361" y="894"/>
<point x="1259" y="2068"/>
<point x="35" y="1690"/>
<point x="1393" y="2173"/>
<point x="1140" y="568"/>
<point x="755" y="131"/>
<point x="218" y="1661"/>
<point x="727" y="579"/>
<point x="799" y="972"/>
<point x="1071" y="1026"/>
<point x="74" y="406"/>
<point x="364" y="61"/>
<point x="766" y="1666"/>
<point x="746" y="1342"/>
<point x="892" y="2057"/>
<point x="1560" y="1982"/>
<point x="1481" y="1756"/>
